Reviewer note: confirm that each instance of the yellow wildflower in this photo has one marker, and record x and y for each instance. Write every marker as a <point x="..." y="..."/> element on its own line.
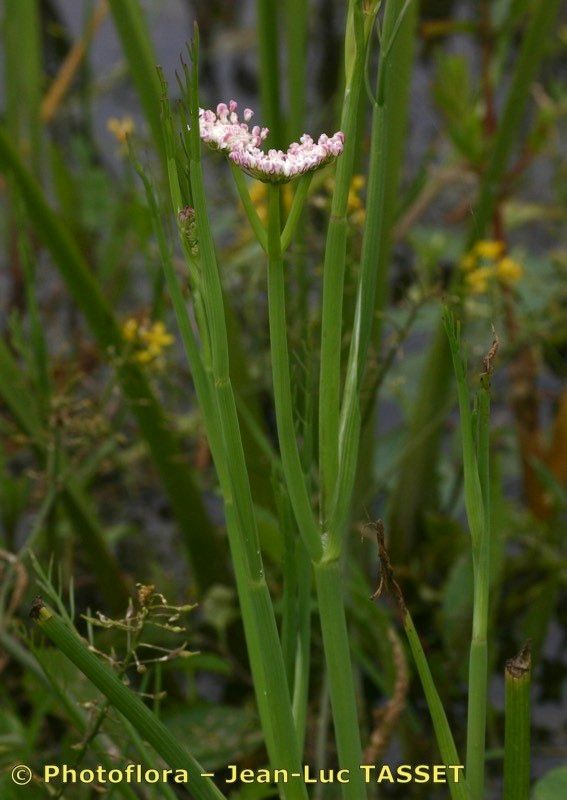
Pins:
<point x="509" y="271"/>
<point x="355" y="204"/>
<point x="156" y="338"/>
<point x="259" y="197"/>
<point x="121" y="128"/>
<point x="490" y="249"/>
<point x="130" y="329"/>
<point x="468" y="262"/>
<point x="148" y="341"/>
<point x="144" y="356"/>
<point x="478" y="280"/>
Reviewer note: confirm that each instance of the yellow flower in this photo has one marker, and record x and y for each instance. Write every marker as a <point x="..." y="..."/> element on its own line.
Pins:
<point x="468" y="262"/>
<point x="354" y="201"/>
<point x="121" y="128"/>
<point x="509" y="271"/>
<point x="156" y="338"/>
<point x="259" y="196"/>
<point x="144" y="356"/>
<point x="148" y="341"/>
<point x="130" y="329"/>
<point x="478" y="280"/>
<point x="490" y="249"/>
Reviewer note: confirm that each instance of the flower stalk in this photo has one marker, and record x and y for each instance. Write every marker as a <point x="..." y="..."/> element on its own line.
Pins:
<point x="214" y="384"/>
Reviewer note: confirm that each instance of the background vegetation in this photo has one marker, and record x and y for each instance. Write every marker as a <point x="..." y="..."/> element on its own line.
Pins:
<point x="106" y="477"/>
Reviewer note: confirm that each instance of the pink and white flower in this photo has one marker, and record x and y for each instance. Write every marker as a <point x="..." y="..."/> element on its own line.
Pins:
<point x="224" y="131"/>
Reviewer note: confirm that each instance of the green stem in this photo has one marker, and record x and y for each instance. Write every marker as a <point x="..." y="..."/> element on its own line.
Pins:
<point x="291" y="462"/>
<point x="389" y="122"/>
<point x="126" y="702"/>
<point x="269" y="69"/>
<point x="389" y="115"/>
<point x="476" y="512"/>
<point x="457" y="784"/>
<point x="296" y="20"/>
<point x="264" y="648"/>
<point x="76" y="714"/>
<point x="334" y="273"/>
<point x="478" y="666"/>
<point x="517" y="727"/>
<point x="302" y="656"/>
<point x="299" y="197"/>
<point x="477" y="502"/>
<point x="289" y="589"/>
<point x="249" y="207"/>
<point x="340" y="676"/>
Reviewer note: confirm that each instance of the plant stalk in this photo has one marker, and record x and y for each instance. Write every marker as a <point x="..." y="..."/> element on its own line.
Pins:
<point x="124" y="701"/>
<point x="334" y="273"/>
<point x="517" y="727"/>
<point x="340" y="676"/>
<point x="291" y="461"/>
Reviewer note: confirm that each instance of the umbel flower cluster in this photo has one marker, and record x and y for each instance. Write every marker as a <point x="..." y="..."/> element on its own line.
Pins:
<point x="223" y="130"/>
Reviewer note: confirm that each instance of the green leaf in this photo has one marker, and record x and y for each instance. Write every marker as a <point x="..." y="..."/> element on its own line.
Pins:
<point x="552" y="786"/>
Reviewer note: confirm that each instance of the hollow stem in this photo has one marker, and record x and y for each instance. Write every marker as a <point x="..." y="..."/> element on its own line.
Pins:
<point x="301" y="191"/>
<point x="125" y="701"/>
<point x="249" y="208"/>
<point x="291" y="462"/>
<point x="517" y="727"/>
<point x="334" y="273"/>
<point x="340" y="676"/>
<point x="478" y="665"/>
